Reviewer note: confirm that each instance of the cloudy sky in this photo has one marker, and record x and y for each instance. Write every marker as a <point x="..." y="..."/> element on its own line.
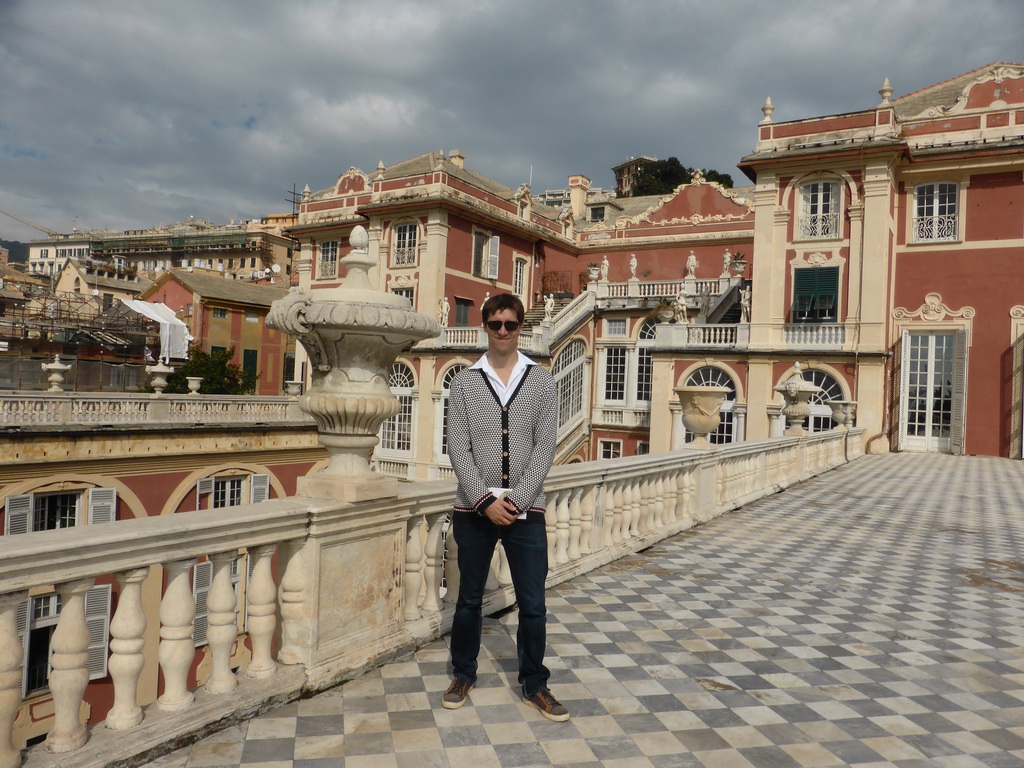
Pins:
<point x="134" y="113"/>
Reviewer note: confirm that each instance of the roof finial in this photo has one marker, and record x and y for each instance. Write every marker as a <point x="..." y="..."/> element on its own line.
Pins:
<point x="768" y="108"/>
<point x="885" y="91"/>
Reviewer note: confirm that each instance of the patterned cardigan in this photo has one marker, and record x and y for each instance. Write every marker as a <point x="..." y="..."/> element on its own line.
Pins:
<point x="491" y="446"/>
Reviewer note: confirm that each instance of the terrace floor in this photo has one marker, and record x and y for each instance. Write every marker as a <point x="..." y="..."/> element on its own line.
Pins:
<point x="873" y="616"/>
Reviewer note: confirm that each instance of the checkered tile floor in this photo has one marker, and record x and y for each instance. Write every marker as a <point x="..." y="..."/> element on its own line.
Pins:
<point x="870" y="617"/>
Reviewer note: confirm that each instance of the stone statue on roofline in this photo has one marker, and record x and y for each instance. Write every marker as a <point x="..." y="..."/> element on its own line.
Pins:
<point x="632" y="266"/>
<point x="605" y="269"/>
<point x="691" y="265"/>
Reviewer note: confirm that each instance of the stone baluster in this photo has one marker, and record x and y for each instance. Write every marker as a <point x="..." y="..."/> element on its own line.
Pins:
<point x="625" y="521"/>
<point x="671" y="496"/>
<point x="562" y="527"/>
<point x="588" y="506"/>
<point x="682" y="499"/>
<point x="640" y="497"/>
<point x="610" y="511"/>
<point x="500" y="574"/>
<point x="449" y="552"/>
<point x="11" y="656"/>
<point x="222" y="623"/>
<point x="297" y="603"/>
<point x="127" y="641"/>
<point x="645" y="514"/>
<point x="439" y="568"/>
<point x="177" y="612"/>
<point x="657" y="502"/>
<point x="69" y="673"/>
<point x="261" y="603"/>
<point x="574" y="523"/>
<point x="550" y="521"/>
<point x="413" y="568"/>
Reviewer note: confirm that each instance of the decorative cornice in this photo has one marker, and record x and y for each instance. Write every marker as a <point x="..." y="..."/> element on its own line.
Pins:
<point x="817" y="259"/>
<point x="697" y="180"/>
<point x="933" y="311"/>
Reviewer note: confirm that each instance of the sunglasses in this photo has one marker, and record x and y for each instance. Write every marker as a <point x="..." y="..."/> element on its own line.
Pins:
<point x="510" y="325"/>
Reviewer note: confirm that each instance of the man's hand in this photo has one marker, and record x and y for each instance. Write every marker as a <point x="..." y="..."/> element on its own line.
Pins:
<point x="502" y="512"/>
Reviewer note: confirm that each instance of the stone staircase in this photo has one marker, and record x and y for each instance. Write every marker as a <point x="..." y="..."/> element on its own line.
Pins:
<point x="535" y="314"/>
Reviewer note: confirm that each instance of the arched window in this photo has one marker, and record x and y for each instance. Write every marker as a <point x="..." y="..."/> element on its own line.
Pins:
<point x="644" y="361"/>
<point x="821" y="414"/>
<point x="396" y="432"/>
<point x="819" y="210"/>
<point x="446" y="383"/>
<point x="568" y="374"/>
<point x="709" y="376"/>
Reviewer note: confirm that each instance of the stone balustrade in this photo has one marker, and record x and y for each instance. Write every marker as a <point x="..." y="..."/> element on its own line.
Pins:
<point x="334" y="588"/>
<point x="814" y="335"/>
<point x="22" y="409"/>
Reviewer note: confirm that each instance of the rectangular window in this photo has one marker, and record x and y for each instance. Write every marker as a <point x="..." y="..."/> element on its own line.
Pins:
<point x="935" y="213"/>
<point x="55" y="510"/>
<point x="643" y="448"/>
<point x="819" y="214"/>
<point x="615" y="327"/>
<point x="252" y="317"/>
<point x="250" y="364"/>
<point x="327" y="266"/>
<point x="227" y="492"/>
<point x="408" y="293"/>
<point x="644" y="374"/>
<point x="519" y="278"/>
<point x="615" y="373"/>
<point x="405" y="245"/>
<point x="220" y="313"/>
<point x="485" y="255"/>
<point x="815" y="295"/>
<point x="462" y="308"/>
<point x="597" y="213"/>
<point x="610" y="449"/>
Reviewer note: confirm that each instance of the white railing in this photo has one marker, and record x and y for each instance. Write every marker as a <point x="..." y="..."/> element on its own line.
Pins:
<point x="465" y="337"/>
<point x="61" y="408"/>
<point x="711" y="335"/>
<point x="621" y="416"/>
<point x="664" y="288"/>
<point x="817" y="335"/>
<point x="343" y="585"/>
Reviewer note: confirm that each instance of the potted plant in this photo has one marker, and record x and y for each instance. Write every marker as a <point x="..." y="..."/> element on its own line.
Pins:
<point x="665" y="310"/>
<point x="739" y="264"/>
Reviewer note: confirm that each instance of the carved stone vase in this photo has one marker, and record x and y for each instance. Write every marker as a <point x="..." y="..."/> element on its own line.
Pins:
<point x="796" y="391"/>
<point x="702" y="412"/>
<point x="160" y="372"/>
<point x="843" y="412"/>
<point x="352" y="334"/>
<point x="56" y="371"/>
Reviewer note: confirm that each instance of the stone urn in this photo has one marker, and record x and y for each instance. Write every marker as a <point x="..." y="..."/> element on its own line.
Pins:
<point x="796" y="391"/>
<point x="293" y="388"/>
<point x="194" y="382"/>
<point x="738" y="267"/>
<point x="702" y="412"/>
<point x="593" y="273"/>
<point x="843" y="412"/>
<point x="56" y="369"/>
<point x="352" y="334"/>
<point x="160" y="372"/>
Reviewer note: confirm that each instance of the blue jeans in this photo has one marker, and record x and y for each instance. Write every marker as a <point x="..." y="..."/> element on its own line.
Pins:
<point x="527" y="549"/>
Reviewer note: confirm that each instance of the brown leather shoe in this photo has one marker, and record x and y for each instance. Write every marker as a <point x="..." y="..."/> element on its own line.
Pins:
<point x="456" y="694"/>
<point x="548" y="706"/>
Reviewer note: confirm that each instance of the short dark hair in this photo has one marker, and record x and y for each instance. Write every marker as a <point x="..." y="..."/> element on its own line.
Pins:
<point x="503" y="301"/>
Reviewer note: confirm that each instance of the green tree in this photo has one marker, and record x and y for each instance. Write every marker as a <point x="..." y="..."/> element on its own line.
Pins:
<point x="220" y="375"/>
<point x="660" y="177"/>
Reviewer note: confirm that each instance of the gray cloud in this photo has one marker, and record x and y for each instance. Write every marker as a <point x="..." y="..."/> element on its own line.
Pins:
<point x="129" y="114"/>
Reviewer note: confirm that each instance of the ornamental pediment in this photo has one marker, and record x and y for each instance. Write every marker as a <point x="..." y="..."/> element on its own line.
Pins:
<point x="699" y="202"/>
<point x="996" y="88"/>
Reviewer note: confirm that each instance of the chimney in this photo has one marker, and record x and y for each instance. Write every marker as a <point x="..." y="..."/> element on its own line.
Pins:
<point x="458" y="157"/>
<point x="579" y="186"/>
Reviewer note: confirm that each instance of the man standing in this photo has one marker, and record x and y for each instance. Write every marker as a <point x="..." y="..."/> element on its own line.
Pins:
<point x="502" y="425"/>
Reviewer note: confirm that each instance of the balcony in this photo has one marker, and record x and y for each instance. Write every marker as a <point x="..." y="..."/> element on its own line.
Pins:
<point x="825" y="336"/>
<point x="343" y="585"/>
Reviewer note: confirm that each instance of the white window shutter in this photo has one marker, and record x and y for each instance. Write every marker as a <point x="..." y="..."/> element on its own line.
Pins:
<point x="203" y="487"/>
<point x="202" y="576"/>
<point x="259" y="488"/>
<point x="492" y="257"/>
<point x="901" y="382"/>
<point x="957" y="419"/>
<point x="17" y="514"/>
<point x="97" y="619"/>
<point x="21" y="621"/>
<point x="102" y="505"/>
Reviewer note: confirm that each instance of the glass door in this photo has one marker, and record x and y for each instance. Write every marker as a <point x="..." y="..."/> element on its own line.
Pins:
<point x="928" y="394"/>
